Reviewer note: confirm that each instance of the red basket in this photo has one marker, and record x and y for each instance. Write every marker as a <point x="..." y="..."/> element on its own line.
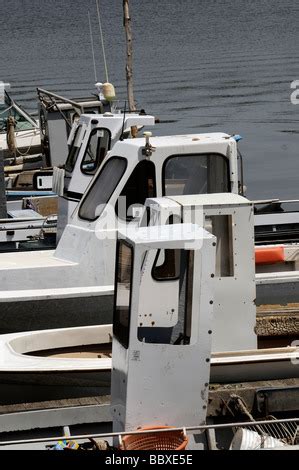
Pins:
<point x="171" y="440"/>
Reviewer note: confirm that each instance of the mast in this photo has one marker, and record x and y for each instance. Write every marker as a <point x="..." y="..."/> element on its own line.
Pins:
<point x="129" y="64"/>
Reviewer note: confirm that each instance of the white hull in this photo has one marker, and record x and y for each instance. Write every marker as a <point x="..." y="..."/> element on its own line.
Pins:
<point x="42" y="309"/>
<point x="28" y="378"/>
<point x="28" y="142"/>
<point x="263" y="364"/>
<point x="32" y="367"/>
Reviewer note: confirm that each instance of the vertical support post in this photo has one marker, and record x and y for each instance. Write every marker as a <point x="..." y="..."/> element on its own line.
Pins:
<point x="129" y="64"/>
<point x="3" y="210"/>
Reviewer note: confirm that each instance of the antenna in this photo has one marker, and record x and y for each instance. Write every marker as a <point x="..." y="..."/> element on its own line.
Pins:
<point x="92" y="48"/>
<point x="102" y="40"/>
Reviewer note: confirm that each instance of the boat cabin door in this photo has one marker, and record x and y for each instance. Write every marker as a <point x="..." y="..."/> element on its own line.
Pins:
<point x="162" y="336"/>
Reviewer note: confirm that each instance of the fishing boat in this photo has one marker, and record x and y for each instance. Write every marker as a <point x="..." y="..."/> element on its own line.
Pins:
<point x="69" y="363"/>
<point x="55" y="364"/>
<point x="134" y="169"/>
<point x="56" y="114"/>
<point x="91" y="137"/>
<point x="29" y="218"/>
<point x="19" y="132"/>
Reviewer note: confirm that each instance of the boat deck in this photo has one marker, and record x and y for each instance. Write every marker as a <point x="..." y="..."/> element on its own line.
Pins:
<point x="35" y="259"/>
<point x="93" y="351"/>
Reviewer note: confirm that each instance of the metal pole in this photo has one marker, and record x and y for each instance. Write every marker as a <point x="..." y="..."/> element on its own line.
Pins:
<point x="50" y="94"/>
<point x="92" y="48"/>
<point x="129" y="65"/>
<point x="102" y="40"/>
<point x="190" y="429"/>
<point x="3" y="210"/>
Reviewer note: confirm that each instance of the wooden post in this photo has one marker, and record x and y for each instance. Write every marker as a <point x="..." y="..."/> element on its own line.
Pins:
<point x="3" y="210"/>
<point x="129" y="64"/>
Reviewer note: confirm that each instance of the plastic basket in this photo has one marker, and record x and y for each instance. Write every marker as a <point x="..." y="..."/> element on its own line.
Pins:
<point x="171" y="440"/>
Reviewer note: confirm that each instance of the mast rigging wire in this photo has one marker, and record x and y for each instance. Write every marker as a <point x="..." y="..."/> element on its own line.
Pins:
<point x="92" y="48"/>
<point x="102" y="40"/>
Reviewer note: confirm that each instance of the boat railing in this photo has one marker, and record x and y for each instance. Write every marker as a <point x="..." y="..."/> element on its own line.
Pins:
<point x="186" y="430"/>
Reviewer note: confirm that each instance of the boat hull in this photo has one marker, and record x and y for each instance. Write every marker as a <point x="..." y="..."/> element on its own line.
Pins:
<point x="76" y="363"/>
<point x="31" y="315"/>
<point x="16" y="388"/>
<point x="30" y="387"/>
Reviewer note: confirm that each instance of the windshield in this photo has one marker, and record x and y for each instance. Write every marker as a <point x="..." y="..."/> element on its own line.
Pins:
<point x="102" y="188"/>
<point x="7" y="109"/>
<point x="74" y="150"/>
<point x="98" y="146"/>
<point x="196" y="174"/>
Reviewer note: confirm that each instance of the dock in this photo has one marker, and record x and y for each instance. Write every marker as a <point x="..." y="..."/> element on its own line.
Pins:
<point x="263" y="397"/>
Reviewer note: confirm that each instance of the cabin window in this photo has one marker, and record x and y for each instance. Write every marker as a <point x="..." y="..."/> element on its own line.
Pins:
<point x="74" y="150"/>
<point x="167" y="265"/>
<point x="102" y="188"/>
<point x="180" y="333"/>
<point x="140" y="185"/>
<point x="123" y="287"/>
<point x="196" y="174"/>
<point x="222" y="227"/>
<point x="96" y="150"/>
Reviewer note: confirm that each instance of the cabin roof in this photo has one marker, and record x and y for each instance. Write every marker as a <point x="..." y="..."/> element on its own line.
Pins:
<point x="185" y="139"/>
<point x="159" y="234"/>
<point x="121" y="117"/>
<point x="215" y="199"/>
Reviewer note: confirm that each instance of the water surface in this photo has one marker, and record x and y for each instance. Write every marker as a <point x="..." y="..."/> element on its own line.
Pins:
<point x="199" y="65"/>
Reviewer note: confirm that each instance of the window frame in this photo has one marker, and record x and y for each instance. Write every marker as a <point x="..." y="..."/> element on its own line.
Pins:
<point x="94" y="131"/>
<point x="67" y="168"/>
<point x="183" y="155"/>
<point x="165" y="279"/>
<point x="187" y="306"/>
<point x="95" y="181"/>
<point x="24" y="118"/>
<point x="140" y="162"/>
<point x="125" y="344"/>
<point x="229" y="222"/>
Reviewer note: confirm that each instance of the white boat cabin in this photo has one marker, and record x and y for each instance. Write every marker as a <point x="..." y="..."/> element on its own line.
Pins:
<point x="230" y="218"/>
<point x="189" y="164"/>
<point x="91" y="137"/>
<point x="155" y="354"/>
<point x="84" y="259"/>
